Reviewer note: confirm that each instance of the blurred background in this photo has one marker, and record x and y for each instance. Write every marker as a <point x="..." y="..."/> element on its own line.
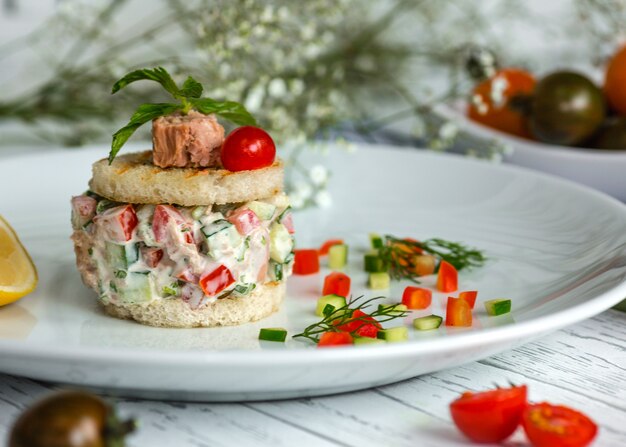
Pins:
<point x="393" y="71"/>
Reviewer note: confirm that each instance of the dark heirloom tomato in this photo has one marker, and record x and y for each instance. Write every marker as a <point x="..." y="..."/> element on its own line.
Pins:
<point x="567" y="108"/>
<point x="549" y="425"/>
<point x="247" y="148"/>
<point x="69" y="419"/>
<point x="490" y="416"/>
<point x="612" y="135"/>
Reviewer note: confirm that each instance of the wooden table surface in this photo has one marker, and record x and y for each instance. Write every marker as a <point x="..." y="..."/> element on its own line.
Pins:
<point x="583" y="366"/>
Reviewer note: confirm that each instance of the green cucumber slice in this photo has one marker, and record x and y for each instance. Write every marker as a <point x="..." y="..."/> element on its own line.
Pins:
<point x="498" y="307"/>
<point x="273" y="334"/>
<point x="198" y="212"/>
<point x="379" y="281"/>
<point x="427" y="323"/>
<point x="394" y="334"/>
<point x="264" y="211"/>
<point x="281" y="243"/>
<point x="334" y="301"/>
<point x="337" y="256"/>
<point x="368" y="341"/>
<point x="120" y="257"/>
<point x="376" y="241"/>
<point x="276" y="271"/>
<point x="137" y="288"/>
<point x="220" y="234"/>
<point x="374" y="263"/>
<point x="393" y="309"/>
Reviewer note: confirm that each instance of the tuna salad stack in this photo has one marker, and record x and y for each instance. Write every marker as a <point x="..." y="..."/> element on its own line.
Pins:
<point x="191" y="234"/>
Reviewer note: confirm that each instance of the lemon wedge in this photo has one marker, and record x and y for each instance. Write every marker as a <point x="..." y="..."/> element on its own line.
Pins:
<point x="18" y="275"/>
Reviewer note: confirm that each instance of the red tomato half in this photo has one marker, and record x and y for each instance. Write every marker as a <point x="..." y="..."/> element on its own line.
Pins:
<point x="490" y="416"/>
<point x="247" y="148"/>
<point x="335" y="339"/>
<point x="549" y="425"/>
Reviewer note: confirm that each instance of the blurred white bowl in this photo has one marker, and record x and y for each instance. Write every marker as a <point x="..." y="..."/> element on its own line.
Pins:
<point x="604" y="170"/>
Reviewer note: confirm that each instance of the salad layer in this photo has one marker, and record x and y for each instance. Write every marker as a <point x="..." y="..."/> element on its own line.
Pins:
<point x="139" y="253"/>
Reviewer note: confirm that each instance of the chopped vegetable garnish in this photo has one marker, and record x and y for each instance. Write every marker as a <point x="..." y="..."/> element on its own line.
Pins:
<point x="470" y="297"/>
<point x="336" y="301"/>
<point x="326" y="246"/>
<point x="458" y="313"/>
<point x="360" y="324"/>
<point x="337" y="256"/>
<point x="273" y="334"/>
<point x="393" y="307"/>
<point x="417" y="297"/>
<point x="447" y="278"/>
<point x="379" y="281"/>
<point x="337" y="283"/>
<point x="306" y="262"/>
<point x="549" y="425"/>
<point x="394" y="334"/>
<point x="374" y="263"/>
<point x="368" y="341"/>
<point x="376" y="241"/>
<point x="490" y="416"/>
<point x="427" y="323"/>
<point x="424" y="265"/>
<point x="335" y="339"/>
<point x="498" y="307"/>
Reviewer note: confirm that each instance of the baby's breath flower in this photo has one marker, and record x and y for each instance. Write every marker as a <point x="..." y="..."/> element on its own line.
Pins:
<point x="318" y="175"/>
<point x="323" y="199"/>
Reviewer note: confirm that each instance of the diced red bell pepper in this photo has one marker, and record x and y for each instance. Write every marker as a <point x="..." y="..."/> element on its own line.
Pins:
<point x="413" y="248"/>
<point x="245" y="220"/>
<point x="216" y="280"/>
<point x="287" y="221"/>
<point x="458" y="312"/>
<point x="337" y="283"/>
<point x="151" y="256"/>
<point x="448" y="278"/>
<point x="119" y="222"/>
<point x="306" y="262"/>
<point x="83" y="210"/>
<point x="361" y="324"/>
<point x="417" y="297"/>
<point x="163" y="215"/>
<point x="469" y="296"/>
<point x="335" y="339"/>
<point x="187" y="275"/>
<point x="329" y="243"/>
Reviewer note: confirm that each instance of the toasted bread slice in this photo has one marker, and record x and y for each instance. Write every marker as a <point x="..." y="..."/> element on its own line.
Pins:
<point x="132" y="178"/>
<point x="231" y="311"/>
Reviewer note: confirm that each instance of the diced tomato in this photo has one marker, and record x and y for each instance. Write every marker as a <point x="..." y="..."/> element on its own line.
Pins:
<point x="216" y="280"/>
<point x="151" y="256"/>
<point x="119" y="222"/>
<point x="412" y="247"/>
<point x="417" y="297"/>
<point x="490" y="416"/>
<point x="549" y="425"/>
<point x="423" y="265"/>
<point x="337" y="283"/>
<point x="187" y="275"/>
<point x="335" y="339"/>
<point x="244" y="220"/>
<point x="470" y="297"/>
<point x="361" y="324"/>
<point x="448" y="278"/>
<point x="287" y="221"/>
<point x="83" y="210"/>
<point x="163" y="215"/>
<point x="329" y="243"/>
<point x="458" y="312"/>
<point x="306" y="262"/>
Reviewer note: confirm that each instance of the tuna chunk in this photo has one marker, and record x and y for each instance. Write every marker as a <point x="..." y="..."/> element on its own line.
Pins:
<point x="191" y="140"/>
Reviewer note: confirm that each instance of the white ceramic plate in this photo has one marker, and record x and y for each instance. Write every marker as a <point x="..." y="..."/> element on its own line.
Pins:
<point x="601" y="169"/>
<point x="556" y="249"/>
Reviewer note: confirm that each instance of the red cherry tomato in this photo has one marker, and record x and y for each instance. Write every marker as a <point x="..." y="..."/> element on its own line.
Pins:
<point x="490" y="416"/>
<point x="247" y="148"/>
<point x="549" y="425"/>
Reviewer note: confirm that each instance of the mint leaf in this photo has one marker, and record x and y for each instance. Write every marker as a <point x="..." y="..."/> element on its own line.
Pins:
<point x="191" y="88"/>
<point x="143" y="114"/>
<point x="158" y="74"/>
<point x="230" y="110"/>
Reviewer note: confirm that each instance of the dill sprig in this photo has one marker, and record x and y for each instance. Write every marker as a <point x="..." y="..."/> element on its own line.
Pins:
<point x="342" y="315"/>
<point x="400" y="255"/>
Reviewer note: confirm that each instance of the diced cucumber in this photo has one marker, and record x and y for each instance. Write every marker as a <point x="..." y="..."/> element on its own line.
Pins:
<point x="276" y="271"/>
<point x="427" y="323"/>
<point x="368" y="341"/>
<point x="219" y="235"/>
<point x="137" y="288"/>
<point x="376" y="241"/>
<point x="244" y="249"/>
<point x="394" y="334"/>
<point x="335" y="301"/>
<point x="337" y="256"/>
<point x="379" y="281"/>
<point x="284" y="214"/>
<point x="264" y="211"/>
<point x="374" y="263"/>
<point x="120" y="257"/>
<point x="498" y="307"/>
<point x="281" y="243"/>
<point x="273" y="334"/>
<point x="244" y="289"/>
<point x="393" y="309"/>
<point x="198" y="212"/>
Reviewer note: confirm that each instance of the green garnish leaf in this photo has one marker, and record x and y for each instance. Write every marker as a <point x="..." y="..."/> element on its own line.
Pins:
<point x="191" y="88"/>
<point x="230" y="110"/>
<point x="158" y="74"/>
<point x="143" y="114"/>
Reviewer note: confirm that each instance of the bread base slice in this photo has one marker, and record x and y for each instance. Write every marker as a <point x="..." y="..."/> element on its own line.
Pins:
<point x="133" y="178"/>
<point x="175" y="313"/>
